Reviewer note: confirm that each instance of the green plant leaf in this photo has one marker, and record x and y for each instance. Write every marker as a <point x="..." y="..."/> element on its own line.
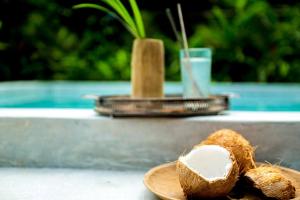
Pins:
<point x="121" y="10"/>
<point x="138" y="18"/>
<point x="90" y="5"/>
<point x="98" y="7"/>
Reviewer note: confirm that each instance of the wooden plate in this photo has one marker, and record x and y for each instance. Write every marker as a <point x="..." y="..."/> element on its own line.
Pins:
<point x="163" y="181"/>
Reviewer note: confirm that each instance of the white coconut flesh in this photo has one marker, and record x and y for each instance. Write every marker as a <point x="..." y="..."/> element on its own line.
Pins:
<point x="211" y="162"/>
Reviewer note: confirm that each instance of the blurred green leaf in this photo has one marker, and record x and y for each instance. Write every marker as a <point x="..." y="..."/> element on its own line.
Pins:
<point x="240" y="4"/>
<point x="3" y="46"/>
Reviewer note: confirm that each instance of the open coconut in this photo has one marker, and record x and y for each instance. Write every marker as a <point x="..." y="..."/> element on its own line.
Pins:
<point x="240" y="147"/>
<point x="271" y="182"/>
<point x="208" y="171"/>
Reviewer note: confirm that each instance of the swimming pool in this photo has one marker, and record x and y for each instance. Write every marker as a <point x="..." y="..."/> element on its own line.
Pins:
<point x="247" y="96"/>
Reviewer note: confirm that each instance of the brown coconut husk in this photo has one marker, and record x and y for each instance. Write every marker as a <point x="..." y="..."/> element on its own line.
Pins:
<point x="195" y="186"/>
<point x="271" y="182"/>
<point x="240" y="147"/>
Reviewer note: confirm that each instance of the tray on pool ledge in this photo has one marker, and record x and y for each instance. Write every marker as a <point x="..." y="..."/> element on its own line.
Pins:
<point x="170" y="106"/>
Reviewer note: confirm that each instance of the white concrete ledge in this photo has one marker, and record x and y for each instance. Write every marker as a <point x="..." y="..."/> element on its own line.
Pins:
<point x="86" y="114"/>
<point x="81" y="139"/>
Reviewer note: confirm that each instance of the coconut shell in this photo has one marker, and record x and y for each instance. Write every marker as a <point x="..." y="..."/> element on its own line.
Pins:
<point x="240" y="147"/>
<point x="195" y="186"/>
<point x="271" y="182"/>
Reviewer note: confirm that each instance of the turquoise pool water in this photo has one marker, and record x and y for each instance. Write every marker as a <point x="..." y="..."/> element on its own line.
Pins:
<point x="248" y="97"/>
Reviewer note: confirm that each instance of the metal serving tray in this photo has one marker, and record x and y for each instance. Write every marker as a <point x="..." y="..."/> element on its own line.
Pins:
<point x="170" y="106"/>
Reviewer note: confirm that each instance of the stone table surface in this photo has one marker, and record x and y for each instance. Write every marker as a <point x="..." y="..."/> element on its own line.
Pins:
<point x="72" y="184"/>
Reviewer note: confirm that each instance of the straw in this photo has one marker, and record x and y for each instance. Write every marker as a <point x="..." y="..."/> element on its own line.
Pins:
<point x="187" y="64"/>
<point x="173" y="25"/>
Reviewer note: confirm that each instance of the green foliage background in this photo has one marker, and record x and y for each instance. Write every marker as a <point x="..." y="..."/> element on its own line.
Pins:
<point x="252" y="40"/>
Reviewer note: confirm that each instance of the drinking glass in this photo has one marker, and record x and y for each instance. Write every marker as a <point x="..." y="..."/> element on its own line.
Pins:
<point x="196" y="72"/>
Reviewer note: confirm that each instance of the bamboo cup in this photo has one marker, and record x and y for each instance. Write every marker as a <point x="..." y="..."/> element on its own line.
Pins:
<point x="147" y="68"/>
